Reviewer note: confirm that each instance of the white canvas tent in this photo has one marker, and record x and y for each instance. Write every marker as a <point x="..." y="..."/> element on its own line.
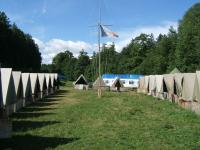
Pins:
<point x="48" y="83"/>
<point x="117" y="85"/>
<point x="81" y="83"/>
<point x="178" y="78"/>
<point x="52" y="79"/>
<point x="56" y="76"/>
<point x="43" y="85"/>
<point x="159" y="86"/>
<point x="170" y="84"/>
<point x="5" y="123"/>
<point x="18" y="89"/>
<point x="56" y="81"/>
<point x="52" y="75"/>
<point x="27" y="92"/>
<point x="1" y="97"/>
<point x="190" y="91"/>
<point x="152" y="85"/>
<point x="8" y="90"/>
<point x="35" y="86"/>
<point x="141" y="88"/>
<point x="198" y="82"/>
<point x="146" y="84"/>
<point x="195" y="105"/>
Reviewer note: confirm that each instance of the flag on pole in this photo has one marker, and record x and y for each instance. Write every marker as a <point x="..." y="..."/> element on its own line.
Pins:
<point x="106" y="32"/>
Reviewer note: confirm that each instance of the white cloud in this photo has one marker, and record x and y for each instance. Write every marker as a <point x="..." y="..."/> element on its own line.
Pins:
<point x="54" y="46"/>
<point x="128" y="34"/>
<point x="50" y="48"/>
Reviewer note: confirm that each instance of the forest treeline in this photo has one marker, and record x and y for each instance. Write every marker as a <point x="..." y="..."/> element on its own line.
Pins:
<point x="143" y="55"/>
<point x="17" y="49"/>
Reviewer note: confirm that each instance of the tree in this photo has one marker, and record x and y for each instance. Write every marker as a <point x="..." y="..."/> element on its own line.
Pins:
<point x="135" y="53"/>
<point x="82" y="63"/>
<point x="64" y="63"/>
<point x="188" y="45"/>
<point x="18" y="50"/>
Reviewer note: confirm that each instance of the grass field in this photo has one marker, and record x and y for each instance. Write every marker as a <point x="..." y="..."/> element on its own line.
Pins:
<point x="79" y="120"/>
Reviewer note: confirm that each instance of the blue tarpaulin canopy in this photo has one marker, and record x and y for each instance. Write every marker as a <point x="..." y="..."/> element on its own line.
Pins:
<point x="122" y="76"/>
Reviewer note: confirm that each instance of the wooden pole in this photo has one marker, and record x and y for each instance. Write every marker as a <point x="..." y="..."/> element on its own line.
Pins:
<point x="99" y="46"/>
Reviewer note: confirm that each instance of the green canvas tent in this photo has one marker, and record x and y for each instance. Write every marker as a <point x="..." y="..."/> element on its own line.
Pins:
<point x="175" y="70"/>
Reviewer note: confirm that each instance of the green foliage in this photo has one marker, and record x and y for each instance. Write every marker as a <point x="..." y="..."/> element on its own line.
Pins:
<point x="81" y="65"/>
<point x="65" y="64"/>
<point x="17" y="49"/>
<point x="188" y="46"/>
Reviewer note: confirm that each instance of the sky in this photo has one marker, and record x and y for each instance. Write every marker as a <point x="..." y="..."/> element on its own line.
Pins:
<point x="59" y="25"/>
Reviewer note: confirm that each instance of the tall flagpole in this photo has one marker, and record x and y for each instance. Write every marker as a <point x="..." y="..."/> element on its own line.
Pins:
<point x="99" y="45"/>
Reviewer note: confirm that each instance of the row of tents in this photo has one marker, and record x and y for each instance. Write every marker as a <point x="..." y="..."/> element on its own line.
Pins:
<point x="82" y="84"/>
<point x="19" y="89"/>
<point x="181" y="88"/>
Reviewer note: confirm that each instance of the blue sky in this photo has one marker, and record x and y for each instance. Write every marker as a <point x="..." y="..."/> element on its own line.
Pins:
<point x="57" y="25"/>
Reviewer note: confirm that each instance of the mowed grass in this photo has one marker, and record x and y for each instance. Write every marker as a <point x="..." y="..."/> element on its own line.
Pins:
<point x="75" y="119"/>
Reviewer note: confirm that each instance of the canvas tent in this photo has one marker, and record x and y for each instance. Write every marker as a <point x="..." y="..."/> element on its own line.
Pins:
<point x="146" y="84"/>
<point x="198" y="84"/>
<point x="190" y="91"/>
<point x="43" y="85"/>
<point x="1" y="97"/>
<point x="170" y="85"/>
<point x="178" y="78"/>
<point x="159" y="81"/>
<point x="175" y="70"/>
<point x="117" y="85"/>
<point x="141" y="85"/>
<point x="99" y="82"/>
<point x="35" y="86"/>
<point x="48" y="83"/>
<point x="52" y="75"/>
<point x="18" y="89"/>
<point x="81" y="83"/>
<point x="27" y="92"/>
<point x="8" y="90"/>
<point x="56" y="76"/>
<point x="195" y="105"/>
<point x="5" y="123"/>
<point x="152" y="85"/>
<point x="56" y="81"/>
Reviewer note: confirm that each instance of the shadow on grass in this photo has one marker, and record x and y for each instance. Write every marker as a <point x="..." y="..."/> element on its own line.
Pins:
<point x="26" y="125"/>
<point x="24" y="115"/>
<point x="44" y="103"/>
<point x="35" y="109"/>
<point x="61" y="92"/>
<point x="28" y="142"/>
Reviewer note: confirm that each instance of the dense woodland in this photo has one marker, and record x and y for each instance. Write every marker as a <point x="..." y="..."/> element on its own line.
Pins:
<point x="17" y="49"/>
<point x="145" y="54"/>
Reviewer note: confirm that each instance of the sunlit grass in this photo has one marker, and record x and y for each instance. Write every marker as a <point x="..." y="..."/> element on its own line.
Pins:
<point x="79" y="120"/>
